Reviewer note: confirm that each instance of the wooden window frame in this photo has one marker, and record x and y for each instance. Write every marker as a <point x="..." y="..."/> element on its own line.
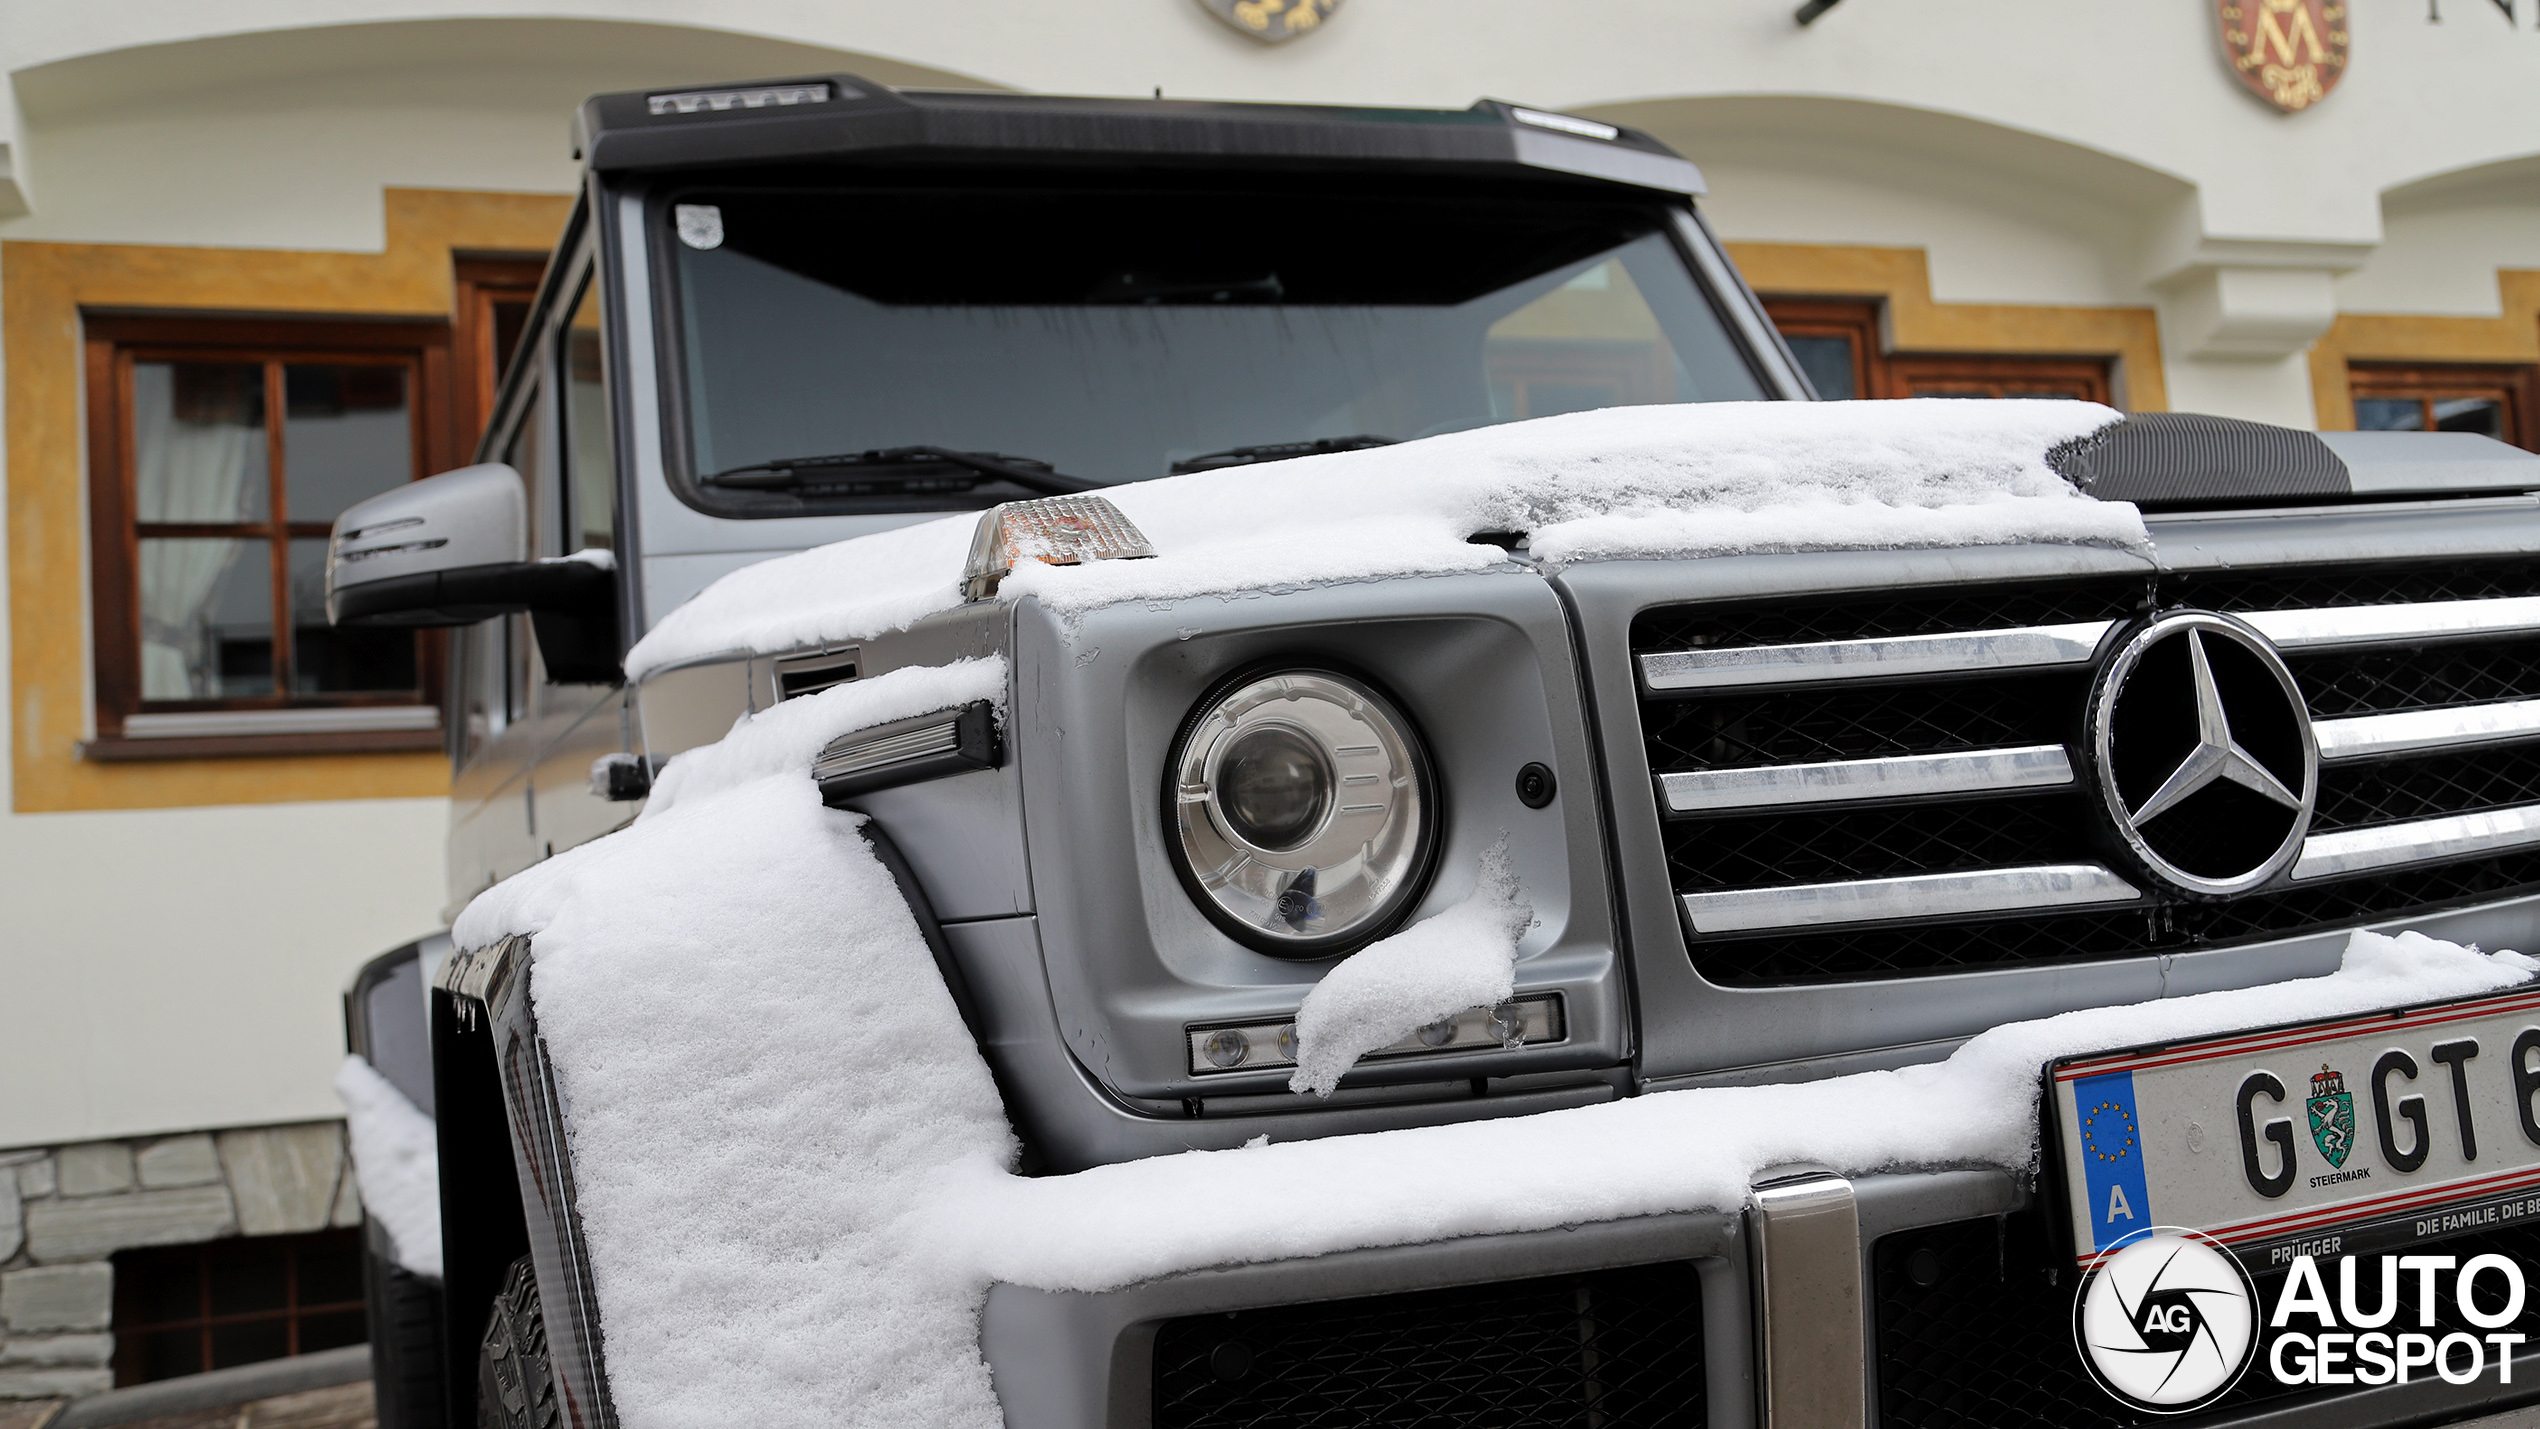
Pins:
<point x="1879" y="373"/>
<point x="129" y="1328"/>
<point x="485" y="284"/>
<point x="112" y="344"/>
<point x="2515" y="386"/>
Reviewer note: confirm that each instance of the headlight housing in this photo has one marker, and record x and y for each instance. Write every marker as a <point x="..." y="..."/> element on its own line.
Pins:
<point x="1303" y="811"/>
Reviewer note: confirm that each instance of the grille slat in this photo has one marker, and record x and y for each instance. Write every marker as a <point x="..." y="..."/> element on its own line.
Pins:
<point x="1613" y="1349"/>
<point x="2400" y="777"/>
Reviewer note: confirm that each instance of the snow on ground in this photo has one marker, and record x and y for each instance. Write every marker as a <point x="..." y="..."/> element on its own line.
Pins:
<point x="396" y="1163"/>
<point x="1695" y="479"/>
<point x="1460" y="957"/>
<point x="796" y="1183"/>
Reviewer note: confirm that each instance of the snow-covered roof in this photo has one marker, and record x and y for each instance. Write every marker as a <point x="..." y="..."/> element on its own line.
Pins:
<point x="1688" y="480"/>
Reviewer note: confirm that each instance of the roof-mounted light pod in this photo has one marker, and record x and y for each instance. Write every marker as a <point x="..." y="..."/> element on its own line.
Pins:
<point x="716" y="101"/>
<point x="1054" y="530"/>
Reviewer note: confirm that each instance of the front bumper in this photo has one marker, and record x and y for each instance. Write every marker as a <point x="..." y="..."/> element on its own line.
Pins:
<point x="1951" y="1327"/>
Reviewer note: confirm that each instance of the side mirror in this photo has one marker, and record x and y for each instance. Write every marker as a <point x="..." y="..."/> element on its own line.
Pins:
<point x="453" y="550"/>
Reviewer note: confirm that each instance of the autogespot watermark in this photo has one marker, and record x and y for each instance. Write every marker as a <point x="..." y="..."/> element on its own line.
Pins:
<point x="2347" y="1344"/>
<point x="2169" y="1321"/>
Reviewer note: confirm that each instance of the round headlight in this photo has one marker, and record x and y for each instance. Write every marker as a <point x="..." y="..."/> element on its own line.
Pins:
<point x="1302" y="811"/>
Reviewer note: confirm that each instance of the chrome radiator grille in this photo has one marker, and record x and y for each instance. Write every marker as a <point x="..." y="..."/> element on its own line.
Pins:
<point x="1884" y="786"/>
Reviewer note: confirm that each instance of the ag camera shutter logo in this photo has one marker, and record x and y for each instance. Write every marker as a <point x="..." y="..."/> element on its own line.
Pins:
<point x="2167" y="1322"/>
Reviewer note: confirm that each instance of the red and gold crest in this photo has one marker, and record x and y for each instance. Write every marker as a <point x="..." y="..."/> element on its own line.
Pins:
<point x="2290" y="52"/>
<point x="1272" y="21"/>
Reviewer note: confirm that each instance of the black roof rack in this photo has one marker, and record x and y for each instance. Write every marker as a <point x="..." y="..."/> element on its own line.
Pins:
<point x="842" y="117"/>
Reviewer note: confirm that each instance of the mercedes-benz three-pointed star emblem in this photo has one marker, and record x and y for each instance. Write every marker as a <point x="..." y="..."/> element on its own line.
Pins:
<point x="2205" y="753"/>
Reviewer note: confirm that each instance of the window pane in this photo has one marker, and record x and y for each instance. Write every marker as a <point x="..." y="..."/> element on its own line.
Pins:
<point x="198" y="441"/>
<point x="165" y="1354"/>
<point x="330" y="1275"/>
<point x="332" y="1331"/>
<point x="587" y="419"/>
<point x="249" y="1341"/>
<point x="1594" y="341"/>
<point x="153" y="1290"/>
<point x="345" y="436"/>
<point x="1828" y="363"/>
<point x="2483" y="415"/>
<point x="327" y="661"/>
<point x="2389" y="414"/>
<point x="248" y="1276"/>
<point x="206" y="619"/>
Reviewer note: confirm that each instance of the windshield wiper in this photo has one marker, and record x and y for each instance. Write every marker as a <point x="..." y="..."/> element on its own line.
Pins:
<point x="898" y="469"/>
<point x="1277" y="451"/>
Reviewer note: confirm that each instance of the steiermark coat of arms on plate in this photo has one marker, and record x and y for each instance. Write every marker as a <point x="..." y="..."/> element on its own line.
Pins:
<point x="2290" y="53"/>
<point x="2332" y="1110"/>
<point x="1272" y="21"/>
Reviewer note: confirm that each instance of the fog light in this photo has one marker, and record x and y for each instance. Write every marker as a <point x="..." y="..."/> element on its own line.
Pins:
<point x="1226" y="1047"/>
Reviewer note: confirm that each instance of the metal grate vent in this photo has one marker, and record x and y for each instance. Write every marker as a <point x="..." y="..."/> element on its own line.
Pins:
<point x="1890" y="785"/>
<point x="1616" y="1349"/>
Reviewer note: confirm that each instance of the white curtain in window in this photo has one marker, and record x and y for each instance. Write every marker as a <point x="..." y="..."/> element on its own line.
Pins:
<point x="188" y="471"/>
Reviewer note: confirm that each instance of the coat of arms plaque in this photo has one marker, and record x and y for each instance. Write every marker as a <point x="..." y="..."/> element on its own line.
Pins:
<point x="2290" y="53"/>
<point x="1272" y="21"/>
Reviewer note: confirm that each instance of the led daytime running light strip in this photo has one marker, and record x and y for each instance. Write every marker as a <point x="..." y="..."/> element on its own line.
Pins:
<point x="1258" y="1046"/>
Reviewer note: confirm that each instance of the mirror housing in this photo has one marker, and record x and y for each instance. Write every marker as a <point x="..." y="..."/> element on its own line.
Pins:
<point x="453" y="549"/>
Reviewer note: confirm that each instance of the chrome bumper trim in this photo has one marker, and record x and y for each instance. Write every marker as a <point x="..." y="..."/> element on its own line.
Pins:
<point x="2427" y="731"/>
<point x="1975" y="771"/>
<point x="2453" y="837"/>
<point x="2340" y="625"/>
<point x="1921" y="895"/>
<point x="1811" y="1353"/>
<point x="1875" y="658"/>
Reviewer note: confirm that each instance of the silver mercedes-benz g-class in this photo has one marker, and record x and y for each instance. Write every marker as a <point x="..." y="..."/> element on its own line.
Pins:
<point x="1779" y="816"/>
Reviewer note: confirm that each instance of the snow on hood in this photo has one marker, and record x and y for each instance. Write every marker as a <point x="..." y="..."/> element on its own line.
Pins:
<point x="1689" y="480"/>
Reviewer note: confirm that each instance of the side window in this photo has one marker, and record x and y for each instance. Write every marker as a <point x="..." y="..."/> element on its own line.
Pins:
<point x="591" y="492"/>
<point x="221" y="454"/>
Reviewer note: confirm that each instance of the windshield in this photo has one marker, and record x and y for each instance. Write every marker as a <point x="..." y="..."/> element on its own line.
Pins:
<point x="1107" y="336"/>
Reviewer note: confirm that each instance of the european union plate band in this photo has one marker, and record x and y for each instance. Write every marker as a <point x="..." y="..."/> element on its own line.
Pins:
<point x="2111" y="1157"/>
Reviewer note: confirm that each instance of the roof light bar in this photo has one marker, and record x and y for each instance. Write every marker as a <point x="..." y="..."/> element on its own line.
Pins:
<point x="1566" y="123"/>
<point x="1054" y="530"/>
<point x="715" y="101"/>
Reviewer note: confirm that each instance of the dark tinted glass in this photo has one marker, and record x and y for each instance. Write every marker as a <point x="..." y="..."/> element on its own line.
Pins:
<point x="2483" y="415"/>
<point x="2389" y="414"/>
<point x="345" y="436"/>
<point x="1112" y="334"/>
<point x="1828" y="363"/>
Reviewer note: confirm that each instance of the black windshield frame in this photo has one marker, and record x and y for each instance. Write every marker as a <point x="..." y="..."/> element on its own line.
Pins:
<point x="1665" y="219"/>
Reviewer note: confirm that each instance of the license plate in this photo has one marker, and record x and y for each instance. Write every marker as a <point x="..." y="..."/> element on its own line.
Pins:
<point x="2339" y="1137"/>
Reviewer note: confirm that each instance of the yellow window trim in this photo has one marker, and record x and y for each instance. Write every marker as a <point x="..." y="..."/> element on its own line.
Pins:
<point x="2512" y="336"/>
<point x="2129" y="338"/>
<point x="46" y="286"/>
